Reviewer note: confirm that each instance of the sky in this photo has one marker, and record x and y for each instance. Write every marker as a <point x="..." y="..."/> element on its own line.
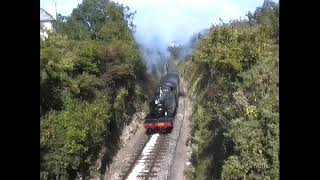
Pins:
<point x="170" y="20"/>
<point x="159" y="22"/>
<point x="179" y="19"/>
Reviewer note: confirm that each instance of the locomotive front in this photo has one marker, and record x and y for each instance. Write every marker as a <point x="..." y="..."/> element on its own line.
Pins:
<point x="163" y="108"/>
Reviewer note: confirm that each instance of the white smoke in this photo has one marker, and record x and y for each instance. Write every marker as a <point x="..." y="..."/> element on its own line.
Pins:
<point x="159" y="22"/>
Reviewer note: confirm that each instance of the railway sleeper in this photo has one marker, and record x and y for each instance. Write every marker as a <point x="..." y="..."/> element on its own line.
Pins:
<point x="144" y="176"/>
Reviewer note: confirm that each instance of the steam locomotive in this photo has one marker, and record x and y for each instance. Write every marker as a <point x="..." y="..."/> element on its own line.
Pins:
<point x="164" y="106"/>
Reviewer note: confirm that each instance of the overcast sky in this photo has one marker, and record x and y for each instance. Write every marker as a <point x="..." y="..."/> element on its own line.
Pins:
<point x="170" y="20"/>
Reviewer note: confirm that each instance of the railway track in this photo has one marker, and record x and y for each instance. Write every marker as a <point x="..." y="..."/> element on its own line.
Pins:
<point x="134" y="160"/>
<point x="149" y="158"/>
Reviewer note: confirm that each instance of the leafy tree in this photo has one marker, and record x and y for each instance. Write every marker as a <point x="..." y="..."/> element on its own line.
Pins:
<point x="89" y="60"/>
<point x="233" y="77"/>
<point x="175" y="51"/>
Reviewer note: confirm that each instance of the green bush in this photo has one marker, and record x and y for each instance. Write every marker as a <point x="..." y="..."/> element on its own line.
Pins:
<point x="91" y="73"/>
<point x="69" y="137"/>
<point x="233" y="77"/>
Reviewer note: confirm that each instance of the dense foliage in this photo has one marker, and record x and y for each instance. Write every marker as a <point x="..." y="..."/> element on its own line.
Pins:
<point x="91" y="73"/>
<point x="233" y="78"/>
